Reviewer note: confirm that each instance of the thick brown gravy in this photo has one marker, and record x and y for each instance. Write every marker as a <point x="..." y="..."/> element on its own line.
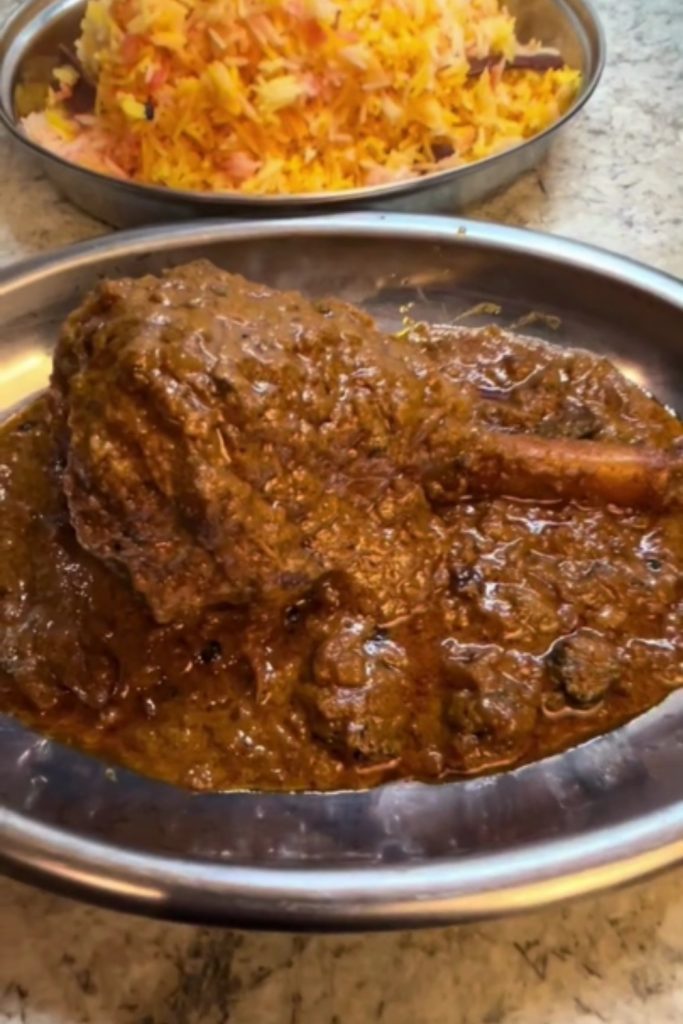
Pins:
<point x="551" y="622"/>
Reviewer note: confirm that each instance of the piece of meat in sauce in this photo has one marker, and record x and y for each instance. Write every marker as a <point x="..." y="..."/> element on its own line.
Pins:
<point x="229" y="443"/>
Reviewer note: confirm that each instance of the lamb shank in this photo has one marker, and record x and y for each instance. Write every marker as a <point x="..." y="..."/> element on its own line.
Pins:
<point x="225" y="442"/>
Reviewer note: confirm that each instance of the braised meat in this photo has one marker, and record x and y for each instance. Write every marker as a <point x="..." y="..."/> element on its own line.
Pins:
<point x="226" y="443"/>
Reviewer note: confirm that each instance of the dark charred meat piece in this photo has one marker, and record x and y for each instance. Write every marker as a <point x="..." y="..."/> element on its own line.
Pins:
<point x="359" y="697"/>
<point x="584" y="666"/>
<point x="491" y="700"/>
<point x="226" y="442"/>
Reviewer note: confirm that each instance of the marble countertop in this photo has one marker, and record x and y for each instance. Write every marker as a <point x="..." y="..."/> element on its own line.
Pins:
<point x="614" y="179"/>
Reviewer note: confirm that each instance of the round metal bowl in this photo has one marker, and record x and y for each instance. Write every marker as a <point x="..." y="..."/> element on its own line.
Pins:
<point x="606" y="812"/>
<point x="39" y="26"/>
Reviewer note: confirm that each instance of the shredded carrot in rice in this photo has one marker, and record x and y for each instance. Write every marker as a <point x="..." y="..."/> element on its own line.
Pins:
<point x="297" y="96"/>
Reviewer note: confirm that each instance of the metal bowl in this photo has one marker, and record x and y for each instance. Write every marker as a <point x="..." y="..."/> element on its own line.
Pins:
<point x="606" y="812"/>
<point x="39" y="26"/>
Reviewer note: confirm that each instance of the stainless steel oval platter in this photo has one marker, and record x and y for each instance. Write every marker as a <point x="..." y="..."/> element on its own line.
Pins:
<point x="601" y="814"/>
<point x="39" y="26"/>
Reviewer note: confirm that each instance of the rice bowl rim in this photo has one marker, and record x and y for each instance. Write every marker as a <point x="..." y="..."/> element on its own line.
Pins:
<point x="34" y="19"/>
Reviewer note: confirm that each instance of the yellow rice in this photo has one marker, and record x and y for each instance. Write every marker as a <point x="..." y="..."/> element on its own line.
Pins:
<point x="297" y="96"/>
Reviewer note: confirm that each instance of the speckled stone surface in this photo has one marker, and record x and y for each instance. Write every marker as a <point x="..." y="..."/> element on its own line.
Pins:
<point x="615" y="178"/>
